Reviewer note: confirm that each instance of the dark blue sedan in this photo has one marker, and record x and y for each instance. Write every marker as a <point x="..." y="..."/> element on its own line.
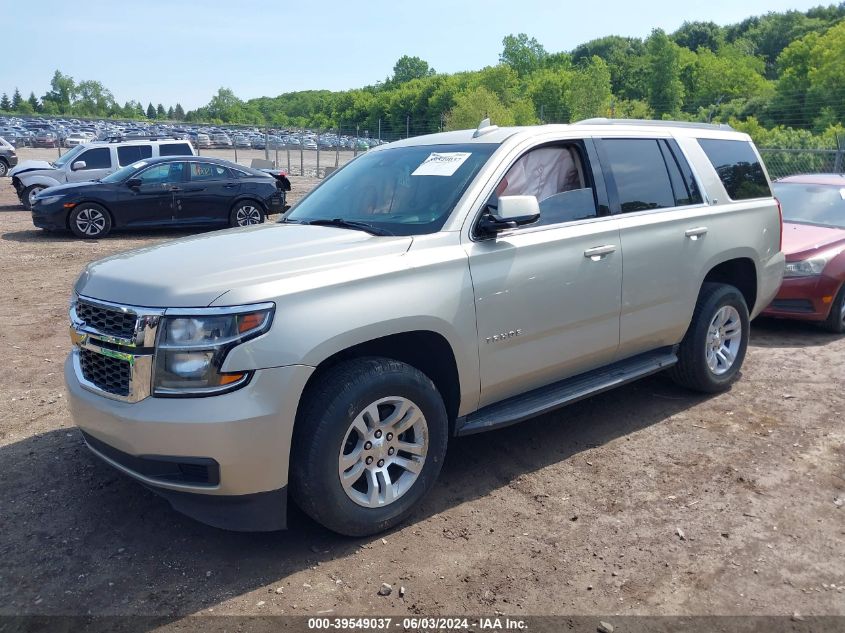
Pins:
<point x="180" y="191"/>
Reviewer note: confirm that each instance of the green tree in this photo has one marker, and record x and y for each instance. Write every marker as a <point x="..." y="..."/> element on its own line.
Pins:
<point x="61" y="95"/>
<point x="178" y="112"/>
<point x="170" y="113"/>
<point x="549" y="92"/>
<point x="696" y="35"/>
<point x="522" y="54"/>
<point x="626" y="60"/>
<point x="160" y="112"/>
<point x="33" y="102"/>
<point x="665" y="89"/>
<point x="93" y="99"/>
<point x="151" y="111"/>
<point x="5" y="104"/>
<point x="407" y="68"/>
<point x="590" y="92"/>
<point x="474" y="105"/>
<point x="17" y="100"/>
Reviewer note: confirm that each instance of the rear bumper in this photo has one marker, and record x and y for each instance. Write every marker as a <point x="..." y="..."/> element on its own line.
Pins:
<point x="222" y="460"/>
<point x="804" y="298"/>
<point x="770" y="276"/>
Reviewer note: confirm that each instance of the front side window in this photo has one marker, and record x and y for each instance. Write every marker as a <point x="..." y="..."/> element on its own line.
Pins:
<point x="640" y="173"/>
<point x="738" y="167"/>
<point x="208" y="171"/>
<point x="163" y="173"/>
<point x="557" y="177"/>
<point x="129" y="154"/>
<point x="401" y="190"/>
<point x="99" y="158"/>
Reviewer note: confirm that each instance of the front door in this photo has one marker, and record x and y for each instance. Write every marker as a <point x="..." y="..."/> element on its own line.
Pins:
<point x="98" y="163"/>
<point x="151" y="202"/>
<point x="548" y="295"/>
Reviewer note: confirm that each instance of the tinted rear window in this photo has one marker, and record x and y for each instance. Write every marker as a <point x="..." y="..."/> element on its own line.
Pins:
<point x="174" y="149"/>
<point x="638" y="168"/>
<point x="738" y="167"/>
<point x="133" y="153"/>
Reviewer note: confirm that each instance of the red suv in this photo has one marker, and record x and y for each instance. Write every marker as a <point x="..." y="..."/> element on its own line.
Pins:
<point x="814" y="244"/>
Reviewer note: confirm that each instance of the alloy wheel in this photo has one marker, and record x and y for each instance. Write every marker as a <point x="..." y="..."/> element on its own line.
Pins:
<point x="91" y="221"/>
<point x="32" y="193"/>
<point x="247" y="215"/>
<point x="383" y="452"/>
<point x="724" y="336"/>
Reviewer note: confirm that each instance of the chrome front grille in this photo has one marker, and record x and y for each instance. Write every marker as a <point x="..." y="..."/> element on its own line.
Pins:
<point x="109" y="321"/>
<point x="114" y="347"/>
<point x="112" y="375"/>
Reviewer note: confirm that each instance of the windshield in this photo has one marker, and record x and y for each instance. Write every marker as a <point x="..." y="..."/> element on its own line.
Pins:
<point x="812" y="204"/>
<point x="124" y="172"/>
<point x="64" y="158"/>
<point x="402" y="190"/>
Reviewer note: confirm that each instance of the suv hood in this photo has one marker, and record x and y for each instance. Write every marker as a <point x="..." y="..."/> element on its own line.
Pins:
<point x="194" y="271"/>
<point x="803" y="240"/>
<point x="31" y="165"/>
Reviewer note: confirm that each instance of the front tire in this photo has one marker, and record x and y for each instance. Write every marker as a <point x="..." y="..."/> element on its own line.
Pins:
<point x="90" y="221"/>
<point x="4" y="168"/>
<point x="246" y="213"/>
<point x="836" y="319"/>
<point x="711" y="354"/>
<point x="369" y="443"/>
<point x="28" y="195"/>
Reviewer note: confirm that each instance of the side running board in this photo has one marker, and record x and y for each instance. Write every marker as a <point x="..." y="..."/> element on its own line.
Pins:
<point x="564" y="392"/>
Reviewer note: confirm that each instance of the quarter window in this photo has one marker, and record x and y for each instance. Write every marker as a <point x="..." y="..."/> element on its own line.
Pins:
<point x="175" y="149"/>
<point x="99" y="158"/>
<point x="738" y="167"/>
<point x="129" y="154"/>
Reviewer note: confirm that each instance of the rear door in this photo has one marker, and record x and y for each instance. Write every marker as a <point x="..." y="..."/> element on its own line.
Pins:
<point x="98" y="163"/>
<point x="663" y="225"/>
<point x="153" y="202"/>
<point x="207" y="195"/>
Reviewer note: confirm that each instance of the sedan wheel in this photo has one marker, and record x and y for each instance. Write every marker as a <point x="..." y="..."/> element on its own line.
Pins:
<point x="247" y="214"/>
<point x="3" y="168"/>
<point x="30" y="193"/>
<point x="90" y="221"/>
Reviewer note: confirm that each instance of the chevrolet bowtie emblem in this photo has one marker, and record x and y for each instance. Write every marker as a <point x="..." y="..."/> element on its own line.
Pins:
<point x="76" y="338"/>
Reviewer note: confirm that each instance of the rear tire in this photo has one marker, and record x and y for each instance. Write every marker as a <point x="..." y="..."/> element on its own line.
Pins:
<point x="712" y="351"/>
<point x="368" y="444"/>
<point x="90" y="221"/>
<point x="836" y="319"/>
<point x="4" y="168"/>
<point x="246" y="213"/>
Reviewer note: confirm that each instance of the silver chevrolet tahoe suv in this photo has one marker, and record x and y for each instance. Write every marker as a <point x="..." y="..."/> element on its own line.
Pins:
<point x="433" y="287"/>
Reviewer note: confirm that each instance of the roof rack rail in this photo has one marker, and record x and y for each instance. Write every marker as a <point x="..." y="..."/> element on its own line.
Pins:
<point x="143" y="137"/>
<point x="690" y="124"/>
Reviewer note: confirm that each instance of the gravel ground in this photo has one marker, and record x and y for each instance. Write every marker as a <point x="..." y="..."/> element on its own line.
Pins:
<point x="645" y="500"/>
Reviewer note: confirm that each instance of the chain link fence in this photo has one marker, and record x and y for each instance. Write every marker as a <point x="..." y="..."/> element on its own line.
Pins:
<point x="790" y="162"/>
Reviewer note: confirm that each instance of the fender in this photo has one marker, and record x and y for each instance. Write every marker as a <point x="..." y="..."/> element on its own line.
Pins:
<point x="35" y="178"/>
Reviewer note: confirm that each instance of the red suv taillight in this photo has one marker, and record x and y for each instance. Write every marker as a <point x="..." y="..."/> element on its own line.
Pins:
<point x="780" y="218"/>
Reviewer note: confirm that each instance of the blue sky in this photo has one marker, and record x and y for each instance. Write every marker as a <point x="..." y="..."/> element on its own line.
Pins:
<point x="183" y="50"/>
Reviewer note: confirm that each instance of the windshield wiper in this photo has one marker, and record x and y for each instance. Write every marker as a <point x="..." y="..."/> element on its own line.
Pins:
<point x="349" y="224"/>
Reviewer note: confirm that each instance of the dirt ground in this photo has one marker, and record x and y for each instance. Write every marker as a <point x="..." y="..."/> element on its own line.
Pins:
<point x="645" y="500"/>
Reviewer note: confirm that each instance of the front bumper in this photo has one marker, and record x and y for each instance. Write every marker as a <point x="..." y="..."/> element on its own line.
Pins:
<point x="246" y="433"/>
<point x="53" y="216"/>
<point x="804" y="298"/>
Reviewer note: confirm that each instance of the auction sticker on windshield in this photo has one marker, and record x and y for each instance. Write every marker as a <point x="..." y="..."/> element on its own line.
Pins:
<point x="441" y="164"/>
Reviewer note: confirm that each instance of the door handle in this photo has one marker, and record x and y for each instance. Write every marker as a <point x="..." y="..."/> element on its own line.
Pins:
<point x="695" y="233"/>
<point x="231" y="185"/>
<point x="598" y="252"/>
<point x="175" y="189"/>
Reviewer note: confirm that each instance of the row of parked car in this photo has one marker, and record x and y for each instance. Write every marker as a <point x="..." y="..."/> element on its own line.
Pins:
<point x="39" y="132"/>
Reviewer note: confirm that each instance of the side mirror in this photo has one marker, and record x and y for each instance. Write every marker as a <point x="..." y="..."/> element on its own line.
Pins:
<point x="134" y="183"/>
<point x="80" y="164"/>
<point x="512" y="212"/>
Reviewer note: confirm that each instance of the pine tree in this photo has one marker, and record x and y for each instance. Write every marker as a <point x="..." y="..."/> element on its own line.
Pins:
<point x="170" y="113"/>
<point x="17" y="100"/>
<point x="5" y="104"/>
<point x="33" y="101"/>
<point x="160" y="113"/>
<point x="178" y="112"/>
<point x="151" y="111"/>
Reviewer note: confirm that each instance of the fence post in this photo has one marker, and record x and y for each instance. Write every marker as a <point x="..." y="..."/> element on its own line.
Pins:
<point x="235" y="145"/>
<point x="337" y="149"/>
<point x="379" y="129"/>
<point x="408" y="126"/>
<point x="837" y="163"/>
<point x="277" y="159"/>
<point x="287" y="149"/>
<point x="301" y="158"/>
<point x="267" y="145"/>
<point x="318" y="152"/>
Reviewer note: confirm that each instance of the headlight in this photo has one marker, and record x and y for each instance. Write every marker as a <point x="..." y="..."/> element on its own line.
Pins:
<point x="48" y="199"/>
<point x="810" y="266"/>
<point x="193" y="345"/>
